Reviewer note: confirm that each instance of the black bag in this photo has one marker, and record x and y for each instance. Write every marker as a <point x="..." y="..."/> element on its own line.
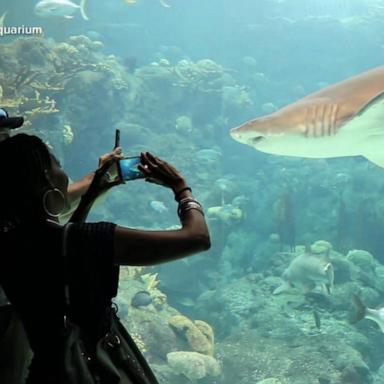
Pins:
<point x="115" y="359"/>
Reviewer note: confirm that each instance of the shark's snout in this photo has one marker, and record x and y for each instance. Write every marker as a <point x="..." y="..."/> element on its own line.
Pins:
<point x="246" y="137"/>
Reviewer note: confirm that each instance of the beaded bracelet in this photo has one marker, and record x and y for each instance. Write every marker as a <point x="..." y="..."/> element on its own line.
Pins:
<point x="190" y="206"/>
<point x="187" y="204"/>
<point x="177" y="194"/>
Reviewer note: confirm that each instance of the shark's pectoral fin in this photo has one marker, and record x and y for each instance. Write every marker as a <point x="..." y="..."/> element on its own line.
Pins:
<point x="377" y="158"/>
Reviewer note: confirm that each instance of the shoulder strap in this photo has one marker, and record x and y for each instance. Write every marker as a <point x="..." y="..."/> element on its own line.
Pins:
<point x="64" y="251"/>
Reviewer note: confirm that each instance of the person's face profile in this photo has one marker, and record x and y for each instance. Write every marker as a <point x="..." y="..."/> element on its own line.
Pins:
<point x="57" y="175"/>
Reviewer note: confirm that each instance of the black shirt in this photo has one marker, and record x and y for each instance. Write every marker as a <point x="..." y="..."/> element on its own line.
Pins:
<point x="32" y="275"/>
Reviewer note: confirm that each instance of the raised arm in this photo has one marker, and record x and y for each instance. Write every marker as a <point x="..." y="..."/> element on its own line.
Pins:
<point x="139" y="247"/>
<point x="78" y="188"/>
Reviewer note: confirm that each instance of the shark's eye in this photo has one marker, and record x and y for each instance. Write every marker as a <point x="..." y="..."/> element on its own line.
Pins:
<point x="257" y="139"/>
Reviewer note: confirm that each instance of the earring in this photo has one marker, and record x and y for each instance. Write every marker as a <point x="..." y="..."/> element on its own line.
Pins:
<point x="48" y="195"/>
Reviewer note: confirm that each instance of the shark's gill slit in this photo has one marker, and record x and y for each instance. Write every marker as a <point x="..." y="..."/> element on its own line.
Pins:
<point x="257" y="139"/>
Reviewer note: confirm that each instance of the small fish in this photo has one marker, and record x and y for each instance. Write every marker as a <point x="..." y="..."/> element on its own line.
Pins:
<point x="226" y="213"/>
<point x="363" y="312"/>
<point x="2" y="19"/>
<point x="158" y="206"/>
<point x="306" y="271"/>
<point x="132" y="2"/>
<point x="210" y="155"/>
<point x="141" y="299"/>
<point x="60" y="8"/>
<point x="164" y="4"/>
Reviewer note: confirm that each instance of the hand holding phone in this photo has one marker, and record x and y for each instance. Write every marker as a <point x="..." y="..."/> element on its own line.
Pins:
<point x="127" y="169"/>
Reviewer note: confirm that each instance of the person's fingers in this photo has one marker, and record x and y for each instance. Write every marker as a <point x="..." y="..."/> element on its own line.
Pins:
<point x="117" y="151"/>
<point x="152" y="158"/>
<point x="144" y="169"/>
<point x="105" y="166"/>
<point x="151" y="180"/>
<point x="148" y="160"/>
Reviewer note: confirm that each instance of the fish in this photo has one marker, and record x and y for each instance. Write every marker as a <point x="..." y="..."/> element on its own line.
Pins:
<point x="162" y="2"/>
<point x="158" y="206"/>
<point x="209" y="155"/>
<point x="343" y="119"/>
<point x="2" y="19"/>
<point x="363" y="312"/>
<point x="60" y="8"/>
<point x="306" y="272"/>
<point x="226" y="213"/>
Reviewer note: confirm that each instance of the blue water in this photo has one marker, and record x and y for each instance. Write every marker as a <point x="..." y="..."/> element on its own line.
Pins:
<point x="149" y="81"/>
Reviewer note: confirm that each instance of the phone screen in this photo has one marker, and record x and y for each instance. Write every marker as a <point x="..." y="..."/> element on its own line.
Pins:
<point x="128" y="168"/>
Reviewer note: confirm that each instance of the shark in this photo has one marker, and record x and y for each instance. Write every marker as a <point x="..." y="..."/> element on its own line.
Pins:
<point x="363" y="312"/>
<point x="342" y="119"/>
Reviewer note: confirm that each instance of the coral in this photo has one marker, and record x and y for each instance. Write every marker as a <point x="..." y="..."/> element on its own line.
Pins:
<point x="321" y="247"/>
<point x="151" y="280"/>
<point x="362" y="259"/>
<point x="270" y="380"/>
<point x="207" y="331"/>
<point x="193" y="365"/>
<point x="137" y="338"/>
<point x="199" y="336"/>
<point x="131" y="272"/>
<point x="67" y="134"/>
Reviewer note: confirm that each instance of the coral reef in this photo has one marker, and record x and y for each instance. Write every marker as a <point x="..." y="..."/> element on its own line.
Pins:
<point x="198" y="334"/>
<point x="193" y="365"/>
<point x="281" y="333"/>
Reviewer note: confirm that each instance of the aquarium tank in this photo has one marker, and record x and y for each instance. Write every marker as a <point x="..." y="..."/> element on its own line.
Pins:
<point x="273" y="110"/>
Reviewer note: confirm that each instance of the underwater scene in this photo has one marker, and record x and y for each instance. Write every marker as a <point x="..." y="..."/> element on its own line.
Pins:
<point x="273" y="110"/>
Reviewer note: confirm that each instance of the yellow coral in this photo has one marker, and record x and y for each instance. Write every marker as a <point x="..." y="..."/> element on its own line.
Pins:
<point x="199" y="336"/>
<point x="68" y="134"/>
<point x="151" y="280"/>
<point x="137" y="338"/>
<point x="207" y="331"/>
<point x="131" y="272"/>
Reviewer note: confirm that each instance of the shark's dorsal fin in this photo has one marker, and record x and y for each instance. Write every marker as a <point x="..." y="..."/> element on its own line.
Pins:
<point x="308" y="249"/>
<point x="377" y="99"/>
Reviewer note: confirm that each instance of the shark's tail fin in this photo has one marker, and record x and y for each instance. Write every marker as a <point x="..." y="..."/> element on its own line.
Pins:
<point x="360" y="310"/>
<point x="82" y="10"/>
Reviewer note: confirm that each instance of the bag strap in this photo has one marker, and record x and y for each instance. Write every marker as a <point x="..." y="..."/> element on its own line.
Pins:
<point x="64" y="252"/>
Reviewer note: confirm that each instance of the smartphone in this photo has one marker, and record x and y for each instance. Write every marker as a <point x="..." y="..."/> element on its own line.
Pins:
<point x="117" y="138"/>
<point x="127" y="168"/>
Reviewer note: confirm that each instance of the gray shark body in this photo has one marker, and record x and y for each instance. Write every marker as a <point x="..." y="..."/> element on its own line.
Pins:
<point x="344" y="119"/>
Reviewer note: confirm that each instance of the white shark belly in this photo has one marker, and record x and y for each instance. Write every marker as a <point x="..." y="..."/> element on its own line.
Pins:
<point x="362" y="135"/>
<point x="313" y="147"/>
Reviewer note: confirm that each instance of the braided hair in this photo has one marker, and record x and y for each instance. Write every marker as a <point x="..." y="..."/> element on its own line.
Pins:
<point x="23" y="161"/>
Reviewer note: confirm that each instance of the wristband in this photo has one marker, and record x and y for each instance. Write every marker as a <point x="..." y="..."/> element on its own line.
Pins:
<point x="178" y="193"/>
<point x="187" y="204"/>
